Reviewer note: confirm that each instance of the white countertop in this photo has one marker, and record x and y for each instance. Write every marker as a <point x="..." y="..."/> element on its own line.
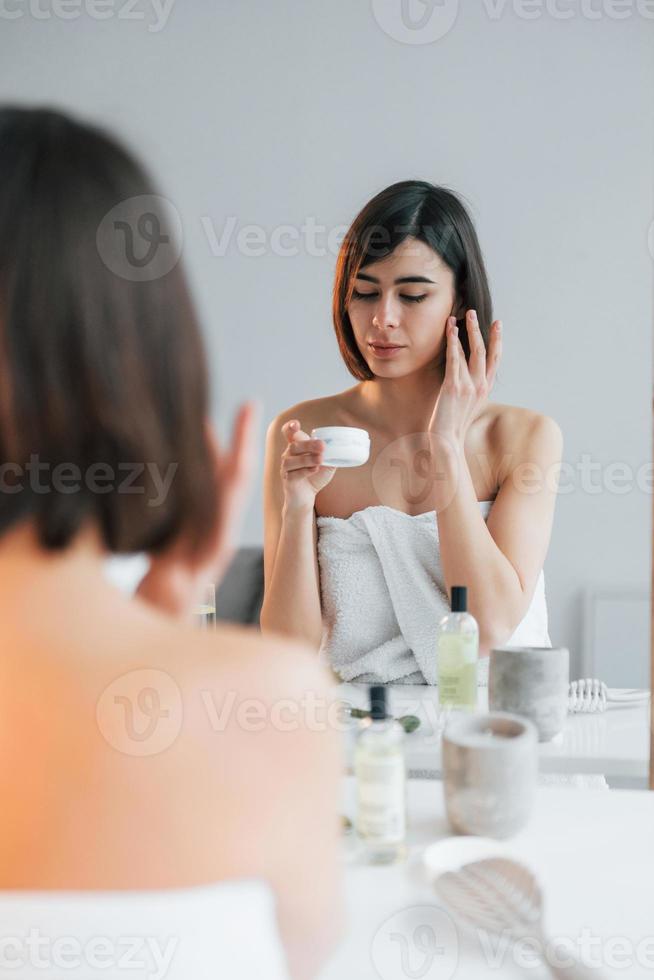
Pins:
<point x="593" y="852"/>
<point x="614" y="742"/>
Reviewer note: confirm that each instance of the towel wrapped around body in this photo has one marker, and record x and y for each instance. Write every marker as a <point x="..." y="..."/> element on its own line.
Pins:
<point x="383" y="595"/>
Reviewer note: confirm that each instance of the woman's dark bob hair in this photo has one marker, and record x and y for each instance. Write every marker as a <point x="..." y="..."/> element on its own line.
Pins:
<point x="433" y="215"/>
<point x="103" y="387"/>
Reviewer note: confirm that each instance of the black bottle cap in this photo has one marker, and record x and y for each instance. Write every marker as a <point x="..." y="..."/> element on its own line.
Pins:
<point x="459" y="598"/>
<point x="378" y="702"/>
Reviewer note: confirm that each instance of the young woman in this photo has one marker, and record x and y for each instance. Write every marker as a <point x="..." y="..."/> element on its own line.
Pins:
<point x="458" y="490"/>
<point x="131" y="758"/>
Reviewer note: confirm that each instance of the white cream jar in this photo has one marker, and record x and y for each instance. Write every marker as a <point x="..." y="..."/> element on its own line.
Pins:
<point x="344" y="445"/>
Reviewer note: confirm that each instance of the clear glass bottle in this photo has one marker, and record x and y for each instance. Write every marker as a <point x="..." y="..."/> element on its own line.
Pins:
<point x="457" y="653"/>
<point x="380" y="771"/>
<point x="204" y="614"/>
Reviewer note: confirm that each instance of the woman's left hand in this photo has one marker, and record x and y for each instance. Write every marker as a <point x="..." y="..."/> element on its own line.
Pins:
<point x="177" y="579"/>
<point x="465" y="387"/>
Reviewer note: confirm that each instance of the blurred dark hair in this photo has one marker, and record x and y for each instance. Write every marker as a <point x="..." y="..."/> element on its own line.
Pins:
<point x="96" y="367"/>
<point x="433" y="215"/>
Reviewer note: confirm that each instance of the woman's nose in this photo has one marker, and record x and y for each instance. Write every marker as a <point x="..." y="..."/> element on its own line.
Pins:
<point x="386" y="315"/>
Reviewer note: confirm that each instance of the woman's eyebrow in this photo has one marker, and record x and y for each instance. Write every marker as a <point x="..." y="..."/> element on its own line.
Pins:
<point x="398" y="282"/>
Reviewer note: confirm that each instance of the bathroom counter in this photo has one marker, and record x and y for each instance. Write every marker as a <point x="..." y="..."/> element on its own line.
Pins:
<point x="614" y="743"/>
<point x="591" y="851"/>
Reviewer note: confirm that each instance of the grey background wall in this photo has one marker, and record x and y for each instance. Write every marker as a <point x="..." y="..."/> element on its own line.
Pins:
<point x="292" y="113"/>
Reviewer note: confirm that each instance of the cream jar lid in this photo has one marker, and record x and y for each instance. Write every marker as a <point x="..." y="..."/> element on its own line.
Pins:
<point x="341" y="433"/>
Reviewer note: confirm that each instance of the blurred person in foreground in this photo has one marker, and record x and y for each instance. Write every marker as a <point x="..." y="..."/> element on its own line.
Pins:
<point x="106" y="448"/>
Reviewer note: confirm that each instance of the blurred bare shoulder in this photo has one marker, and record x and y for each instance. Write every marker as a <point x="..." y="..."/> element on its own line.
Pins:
<point x="268" y="664"/>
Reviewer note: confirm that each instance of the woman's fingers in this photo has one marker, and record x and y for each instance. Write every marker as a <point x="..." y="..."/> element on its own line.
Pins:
<point x="477" y="348"/>
<point x="301" y="473"/>
<point x="452" y="352"/>
<point x="306" y="446"/>
<point x="241" y="456"/>
<point x="494" y="352"/>
<point x="289" y="429"/>
<point x="233" y="469"/>
<point x="234" y="466"/>
<point x="484" y="360"/>
<point x="301" y="462"/>
<point x="300" y="442"/>
<point x="303" y="455"/>
<point x="292" y="431"/>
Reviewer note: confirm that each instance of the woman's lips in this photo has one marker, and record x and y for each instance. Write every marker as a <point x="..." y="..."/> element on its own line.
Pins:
<point x="385" y="351"/>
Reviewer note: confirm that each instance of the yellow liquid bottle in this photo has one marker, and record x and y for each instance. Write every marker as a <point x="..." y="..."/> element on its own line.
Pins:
<point x="457" y="655"/>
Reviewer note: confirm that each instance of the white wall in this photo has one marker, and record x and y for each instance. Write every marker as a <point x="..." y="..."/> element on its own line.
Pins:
<point x="278" y="112"/>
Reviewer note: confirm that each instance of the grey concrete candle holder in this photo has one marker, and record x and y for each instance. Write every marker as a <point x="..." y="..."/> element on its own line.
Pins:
<point x="532" y="682"/>
<point x="490" y="767"/>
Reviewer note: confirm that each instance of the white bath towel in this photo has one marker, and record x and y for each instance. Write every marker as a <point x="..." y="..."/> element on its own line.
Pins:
<point x="383" y="595"/>
<point x="201" y="932"/>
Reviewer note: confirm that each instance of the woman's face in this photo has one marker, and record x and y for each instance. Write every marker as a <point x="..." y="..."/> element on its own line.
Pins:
<point x="399" y="309"/>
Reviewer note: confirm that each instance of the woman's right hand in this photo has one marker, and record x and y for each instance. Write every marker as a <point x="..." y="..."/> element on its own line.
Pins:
<point x="303" y="474"/>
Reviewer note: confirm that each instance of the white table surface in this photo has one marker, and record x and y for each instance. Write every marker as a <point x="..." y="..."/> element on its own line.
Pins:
<point x="592" y="850"/>
<point x="614" y="742"/>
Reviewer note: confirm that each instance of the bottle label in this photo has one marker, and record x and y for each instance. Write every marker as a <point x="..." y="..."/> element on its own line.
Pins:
<point x="381" y="799"/>
<point x="457" y="670"/>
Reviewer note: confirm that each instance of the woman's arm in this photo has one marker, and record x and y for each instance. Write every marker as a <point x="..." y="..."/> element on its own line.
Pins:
<point x="500" y="559"/>
<point x="291" y="602"/>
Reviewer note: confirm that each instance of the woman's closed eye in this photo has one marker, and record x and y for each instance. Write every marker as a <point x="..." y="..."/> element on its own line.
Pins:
<point x="409" y="299"/>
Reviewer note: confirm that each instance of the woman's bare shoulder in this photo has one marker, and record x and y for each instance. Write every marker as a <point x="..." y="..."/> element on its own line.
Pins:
<point x="516" y="433"/>
<point x="240" y="656"/>
<point x="231" y="683"/>
<point x="217" y="715"/>
<point x="514" y="424"/>
<point x="315" y="412"/>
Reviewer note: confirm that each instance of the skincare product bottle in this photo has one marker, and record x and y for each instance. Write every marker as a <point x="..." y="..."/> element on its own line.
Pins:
<point x="380" y="773"/>
<point x="457" y="653"/>
<point x="204" y="613"/>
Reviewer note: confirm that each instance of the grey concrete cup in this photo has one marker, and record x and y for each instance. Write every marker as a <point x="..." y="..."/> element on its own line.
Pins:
<point x="490" y="768"/>
<point x="532" y="682"/>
